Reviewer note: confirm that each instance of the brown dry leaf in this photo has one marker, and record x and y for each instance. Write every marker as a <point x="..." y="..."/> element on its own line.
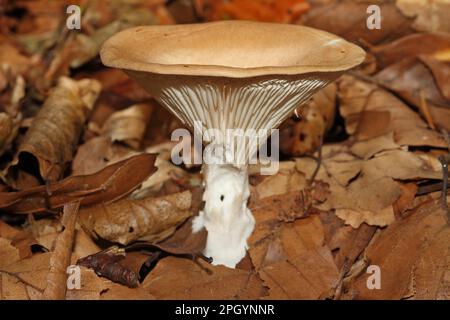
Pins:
<point x="371" y="112"/>
<point x="413" y="255"/>
<point x="368" y="148"/>
<point x="128" y="125"/>
<point x="11" y="288"/>
<point x="175" y="278"/>
<point x="54" y="133"/>
<point x="109" y="184"/>
<point x="440" y="68"/>
<point x="11" y="57"/>
<point x="348" y="19"/>
<point x="429" y="16"/>
<point x="411" y="46"/>
<point x="343" y="167"/>
<point x="127" y="220"/>
<point x="292" y="259"/>
<point x="284" y="181"/>
<point x="31" y="271"/>
<point x="183" y="241"/>
<point x="8" y="131"/>
<point x="20" y="239"/>
<point x="406" y="200"/>
<point x="345" y="242"/>
<point x="97" y="153"/>
<point x="166" y="172"/>
<point x="415" y="82"/>
<point x="83" y="245"/>
<point x="371" y="196"/>
<point x="8" y="253"/>
<point x="60" y="260"/>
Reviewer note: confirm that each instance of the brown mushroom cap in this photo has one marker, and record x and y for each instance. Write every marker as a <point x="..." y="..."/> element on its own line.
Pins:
<point x="231" y="74"/>
<point x="235" y="49"/>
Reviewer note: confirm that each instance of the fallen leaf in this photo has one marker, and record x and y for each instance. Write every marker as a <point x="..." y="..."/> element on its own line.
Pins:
<point x="60" y="259"/>
<point x="128" y="220"/>
<point x="292" y="259"/>
<point x="423" y="271"/>
<point x="371" y="112"/>
<point x="348" y="19"/>
<point x="52" y="137"/>
<point x="109" y="184"/>
<point x="429" y="16"/>
<point x="411" y="46"/>
<point x="175" y="278"/>
<point x="128" y="125"/>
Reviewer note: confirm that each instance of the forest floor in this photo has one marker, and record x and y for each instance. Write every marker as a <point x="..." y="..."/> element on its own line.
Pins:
<point x="358" y="210"/>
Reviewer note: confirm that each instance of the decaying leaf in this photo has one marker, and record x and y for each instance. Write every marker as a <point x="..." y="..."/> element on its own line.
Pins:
<point x="109" y="184"/>
<point x="127" y="220"/>
<point x="107" y="264"/>
<point x="60" y="259"/>
<point x="429" y="16"/>
<point x="128" y="126"/>
<point x="8" y="131"/>
<point x="348" y="19"/>
<point x="413" y="255"/>
<point x="371" y="112"/>
<point x="201" y="282"/>
<point x="54" y="133"/>
<point x="292" y="259"/>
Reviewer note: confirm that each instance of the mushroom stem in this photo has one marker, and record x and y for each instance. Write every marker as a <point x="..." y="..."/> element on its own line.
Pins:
<point x="225" y="215"/>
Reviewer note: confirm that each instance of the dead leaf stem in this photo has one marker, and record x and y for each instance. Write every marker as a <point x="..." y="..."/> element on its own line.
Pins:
<point x="60" y="259"/>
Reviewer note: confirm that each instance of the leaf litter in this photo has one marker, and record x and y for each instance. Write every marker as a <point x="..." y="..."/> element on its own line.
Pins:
<point x="87" y="181"/>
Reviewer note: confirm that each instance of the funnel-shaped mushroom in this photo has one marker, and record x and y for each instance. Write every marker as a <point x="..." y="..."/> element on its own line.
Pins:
<point x="230" y="75"/>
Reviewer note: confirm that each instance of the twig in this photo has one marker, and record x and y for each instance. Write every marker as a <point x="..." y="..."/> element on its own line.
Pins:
<point x="60" y="259"/>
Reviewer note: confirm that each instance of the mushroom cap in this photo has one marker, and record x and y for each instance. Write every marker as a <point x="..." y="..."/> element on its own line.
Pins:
<point x="235" y="49"/>
<point x="231" y="74"/>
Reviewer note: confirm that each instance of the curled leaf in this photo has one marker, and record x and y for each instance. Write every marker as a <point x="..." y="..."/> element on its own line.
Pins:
<point x="54" y="133"/>
<point x="127" y="220"/>
<point x="111" y="183"/>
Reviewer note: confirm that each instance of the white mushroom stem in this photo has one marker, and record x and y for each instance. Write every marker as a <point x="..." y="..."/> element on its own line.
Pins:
<point x="225" y="216"/>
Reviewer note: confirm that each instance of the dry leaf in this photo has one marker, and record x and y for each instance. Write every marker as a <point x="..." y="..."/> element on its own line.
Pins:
<point x="371" y="112"/>
<point x="348" y="19"/>
<point x="175" y="278"/>
<point x="8" y="131"/>
<point x="282" y="182"/>
<point x="292" y="259"/>
<point x="109" y="184"/>
<point x="413" y="255"/>
<point x="55" y="131"/>
<point x="129" y="220"/>
<point x="128" y="126"/>
<point x="60" y="260"/>
<point x="429" y="16"/>
<point x="411" y="46"/>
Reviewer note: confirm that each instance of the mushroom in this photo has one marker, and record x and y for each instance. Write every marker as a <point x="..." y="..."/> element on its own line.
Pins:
<point x="229" y="75"/>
